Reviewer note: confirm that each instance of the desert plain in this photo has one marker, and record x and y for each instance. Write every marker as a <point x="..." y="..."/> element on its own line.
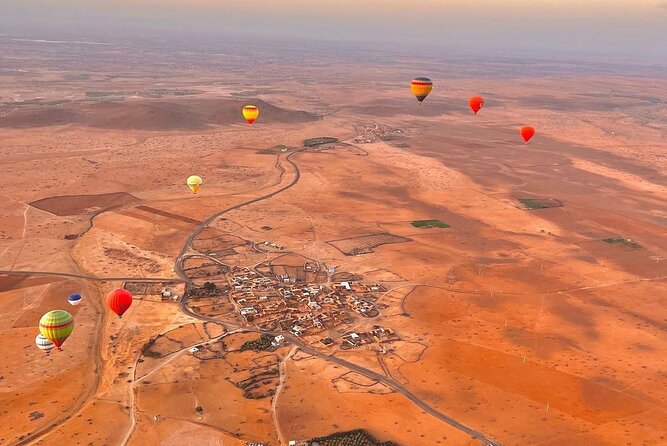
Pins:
<point x="523" y="286"/>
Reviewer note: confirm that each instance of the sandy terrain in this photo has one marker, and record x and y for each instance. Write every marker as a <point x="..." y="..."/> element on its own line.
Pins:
<point x="530" y="326"/>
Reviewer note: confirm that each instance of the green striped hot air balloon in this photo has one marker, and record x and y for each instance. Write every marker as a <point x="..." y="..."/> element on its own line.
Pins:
<point x="56" y="326"/>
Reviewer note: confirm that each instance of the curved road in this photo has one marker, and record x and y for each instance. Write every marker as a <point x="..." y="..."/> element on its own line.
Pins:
<point x="135" y="380"/>
<point x="389" y="382"/>
<point x="39" y="434"/>
<point x="6" y="272"/>
<point x="178" y="267"/>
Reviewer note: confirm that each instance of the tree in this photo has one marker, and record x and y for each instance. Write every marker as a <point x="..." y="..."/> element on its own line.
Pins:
<point x="210" y="287"/>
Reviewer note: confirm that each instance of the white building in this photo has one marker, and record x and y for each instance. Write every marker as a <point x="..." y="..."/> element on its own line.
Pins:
<point x="278" y="340"/>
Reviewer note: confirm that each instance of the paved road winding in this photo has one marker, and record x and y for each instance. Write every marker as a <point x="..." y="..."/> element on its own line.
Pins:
<point x="6" y="272"/>
<point x="389" y="382"/>
<point x="178" y="267"/>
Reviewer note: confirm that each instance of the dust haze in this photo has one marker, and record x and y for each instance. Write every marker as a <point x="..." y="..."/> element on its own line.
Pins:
<point x="612" y="30"/>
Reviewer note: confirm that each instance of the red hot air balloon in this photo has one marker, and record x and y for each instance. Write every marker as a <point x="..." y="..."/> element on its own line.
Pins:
<point x="527" y="132"/>
<point x="119" y="301"/>
<point x="476" y="103"/>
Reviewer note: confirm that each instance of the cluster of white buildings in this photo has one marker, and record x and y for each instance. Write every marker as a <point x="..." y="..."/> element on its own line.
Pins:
<point x="378" y="334"/>
<point x="279" y="302"/>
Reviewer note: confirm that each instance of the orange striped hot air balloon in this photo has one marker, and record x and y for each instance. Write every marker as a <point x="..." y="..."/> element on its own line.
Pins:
<point x="527" y="132"/>
<point x="421" y="87"/>
<point x="476" y="103"/>
<point x="250" y="113"/>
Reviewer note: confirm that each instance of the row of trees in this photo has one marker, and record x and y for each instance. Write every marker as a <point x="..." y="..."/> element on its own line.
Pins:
<point x="357" y="437"/>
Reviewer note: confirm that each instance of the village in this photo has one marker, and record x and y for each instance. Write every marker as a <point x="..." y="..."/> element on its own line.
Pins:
<point x="281" y="302"/>
<point x="302" y="301"/>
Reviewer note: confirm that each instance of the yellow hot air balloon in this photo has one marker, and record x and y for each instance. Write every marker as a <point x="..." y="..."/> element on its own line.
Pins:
<point x="421" y="87"/>
<point x="250" y="113"/>
<point x="194" y="183"/>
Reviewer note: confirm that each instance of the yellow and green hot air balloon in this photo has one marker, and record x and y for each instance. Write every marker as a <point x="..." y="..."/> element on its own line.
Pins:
<point x="56" y="326"/>
<point x="194" y="183"/>
<point x="250" y="113"/>
<point x="421" y="87"/>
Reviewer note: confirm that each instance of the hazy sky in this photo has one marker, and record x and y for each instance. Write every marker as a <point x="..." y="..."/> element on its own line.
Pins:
<point x="609" y="27"/>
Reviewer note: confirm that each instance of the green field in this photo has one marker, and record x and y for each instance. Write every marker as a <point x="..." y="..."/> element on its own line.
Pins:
<point x="312" y="142"/>
<point x="540" y="203"/>
<point x="622" y="241"/>
<point x="425" y="224"/>
<point x="274" y="150"/>
<point x="531" y="203"/>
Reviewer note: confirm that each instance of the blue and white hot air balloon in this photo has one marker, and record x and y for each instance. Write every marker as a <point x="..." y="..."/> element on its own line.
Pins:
<point x="74" y="299"/>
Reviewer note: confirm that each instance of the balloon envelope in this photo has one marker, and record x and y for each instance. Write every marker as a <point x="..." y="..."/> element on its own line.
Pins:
<point x="119" y="301"/>
<point x="56" y="326"/>
<point x="250" y="113"/>
<point x="421" y="87"/>
<point x="74" y="299"/>
<point x="43" y="344"/>
<point x="194" y="183"/>
<point x="476" y="103"/>
<point x="527" y="132"/>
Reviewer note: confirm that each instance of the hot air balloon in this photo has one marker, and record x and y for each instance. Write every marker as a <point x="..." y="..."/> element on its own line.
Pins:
<point x="476" y="103"/>
<point x="43" y="344"/>
<point x="250" y="113"/>
<point x="56" y="326"/>
<point x="194" y="183"/>
<point x="527" y="132"/>
<point x="119" y="301"/>
<point x="74" y="299"/>
<point x="421" y="87"/>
